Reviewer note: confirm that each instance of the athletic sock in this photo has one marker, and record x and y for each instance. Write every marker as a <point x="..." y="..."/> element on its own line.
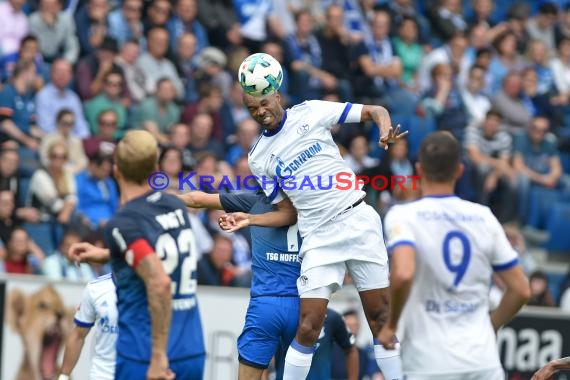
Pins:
<point x="297" y="361"/>
<point x="389" y="361"/>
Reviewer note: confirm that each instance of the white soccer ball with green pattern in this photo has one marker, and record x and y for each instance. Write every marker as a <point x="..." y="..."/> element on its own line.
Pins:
<point x="260" y="74"/>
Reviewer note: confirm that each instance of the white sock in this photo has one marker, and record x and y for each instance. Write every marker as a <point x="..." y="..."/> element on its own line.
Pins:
<point x="389" y="361"/>
<point x="297" y="361"/>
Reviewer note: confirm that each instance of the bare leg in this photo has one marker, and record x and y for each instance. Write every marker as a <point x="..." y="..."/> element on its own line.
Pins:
<point x="247" y="372"/>
<point x="376" y="304"/>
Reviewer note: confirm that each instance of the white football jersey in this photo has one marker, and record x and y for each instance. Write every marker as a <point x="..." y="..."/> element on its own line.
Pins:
<point x="301" y="159"/>
<point x="99" y="307"/>
<point x="445" y="326"/>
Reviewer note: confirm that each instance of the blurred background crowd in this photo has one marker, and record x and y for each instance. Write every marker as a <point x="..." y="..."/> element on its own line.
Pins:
<point x="75" y="75"/>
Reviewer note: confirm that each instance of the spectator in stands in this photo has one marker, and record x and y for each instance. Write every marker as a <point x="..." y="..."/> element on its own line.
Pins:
<point x="443" y="101"/>
<point x="57" y="266"/>
<point x="211" y="64"/>
<point x="483" y="17"/>
<point x="538" y="56"/>
<point x="52" y="189"/>
<point x="92" y="25"/>
<point x="517" y="17"/>
<point x="17" y="108"/>
<point x="12" y="181"/>
<point x="170" y="163"/>
<point x="452" y="53"/>
<point x="257" y="23"/>
<point x="97" y="195"/>
<point x="377" y="61"/>
<point x="159" y="112"/>
<point x="537" y="104"/>
<point x="562" y="29"/>
<point x="125" y="23"/>
<point x="476" y="103"/>
<point x="308" y="79"/>
<point x="14" y="24"/>
<point x="104" y="140"/>
<point x="335" y="44"/>
<point x="56" y="96"/>
<point x="221" y="22"/>
<point x="540" y="293"/>
<point x="541" y="27"/>
<point x="247" y="132"/>
<point x="185" y="20"/>
<point x="489" y="150"/>
<point x="448" y="19"/>
<point x="537" y="161"/>
<point x="235" y="107"/>
<point x="180" y="139"/>
<point x="216" y="268"/>
<point x="92" y="69"/>
<point x="65" y="124"/>
<point x="410" y="52"/>
<point x="506" y="59"/>
<point x="210" y="102"/>
<point x="56" y="32"/>
<point x="109" y="98"/>
<point x="509" y="102"/>
<point x="401" y="9"/>
<point x="8" y="219"/>
<point x="357" y="158"/>
<point x="560" y="66"/>
<point x="20" y="256"/>
<point x="186" y="64"/>
<point x="137" y="84"/>
<point x="29" y="51"/>
<point x="154" y="63"/>
<point x="157" y="16"/>
<point x="201" y="136"/>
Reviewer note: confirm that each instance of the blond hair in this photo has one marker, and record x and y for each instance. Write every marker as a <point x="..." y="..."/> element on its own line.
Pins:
<point x="137" y="156"/>
<point x="60" y="179"/>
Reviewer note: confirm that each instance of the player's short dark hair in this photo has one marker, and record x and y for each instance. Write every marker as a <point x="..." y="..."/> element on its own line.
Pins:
<point x="440" y="154"/>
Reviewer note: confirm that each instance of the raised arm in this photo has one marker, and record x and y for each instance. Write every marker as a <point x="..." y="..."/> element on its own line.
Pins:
<point x="381" y="117"/>
<point x="285" y="214"/>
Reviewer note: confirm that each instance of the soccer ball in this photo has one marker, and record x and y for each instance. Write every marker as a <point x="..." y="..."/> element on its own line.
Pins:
<point x="260" y="74"/>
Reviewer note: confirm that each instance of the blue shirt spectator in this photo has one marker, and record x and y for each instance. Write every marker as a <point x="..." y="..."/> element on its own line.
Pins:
<point x="183" y="21"/>
<point x="97" y="194"/>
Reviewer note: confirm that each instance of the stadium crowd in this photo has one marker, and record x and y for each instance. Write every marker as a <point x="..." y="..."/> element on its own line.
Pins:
<point x="75" y="75"/>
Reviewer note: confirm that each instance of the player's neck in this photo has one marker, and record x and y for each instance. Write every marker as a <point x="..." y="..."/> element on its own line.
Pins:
<point x="437" y="189"/>
<point x="130" y="191"/>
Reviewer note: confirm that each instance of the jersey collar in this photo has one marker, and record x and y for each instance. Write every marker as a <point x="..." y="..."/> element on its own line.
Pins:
<point x="440" y="196"/>
<point x="269" y="133"/>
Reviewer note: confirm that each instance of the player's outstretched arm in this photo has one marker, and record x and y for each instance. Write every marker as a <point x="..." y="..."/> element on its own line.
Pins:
<point x="381" y="117"/>
<point x="402" y="271"/>
<point x="516" y="295"/>
<point x="88" y="253"/>
<point x="200" y="199"/>
<point x="73" y="347"/>
<point x="284" y="215"/>
<point x="551" y="368"/>
<point x="157" y="284"/>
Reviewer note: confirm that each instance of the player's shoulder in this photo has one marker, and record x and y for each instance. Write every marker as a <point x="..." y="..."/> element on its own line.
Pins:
<point x="101" y="284"/>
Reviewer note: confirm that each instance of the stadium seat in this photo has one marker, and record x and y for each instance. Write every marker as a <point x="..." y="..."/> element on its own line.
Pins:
<point x="565" y="159"/>
<point x="24" y="188"/>
<point x="419" y="128"/>
<point x="541" y="202"/>
<point x="557" y="226"/>
<point x="42" y="235"/>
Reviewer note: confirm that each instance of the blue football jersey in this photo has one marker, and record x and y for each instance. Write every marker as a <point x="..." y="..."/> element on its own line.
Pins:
<point x="161" y="221"/>
<point x="275" y="264"/>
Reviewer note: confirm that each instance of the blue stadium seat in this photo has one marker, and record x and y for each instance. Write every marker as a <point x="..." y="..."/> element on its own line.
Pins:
<point x="541" y="202"/>
<point x="565" y="159"/>
<point x="42" y="235"/>
<point x="419" y="128"/>
<point x="24" y="189"/>
<point x="557" y="225"/>
<point x="555" y="281"/>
